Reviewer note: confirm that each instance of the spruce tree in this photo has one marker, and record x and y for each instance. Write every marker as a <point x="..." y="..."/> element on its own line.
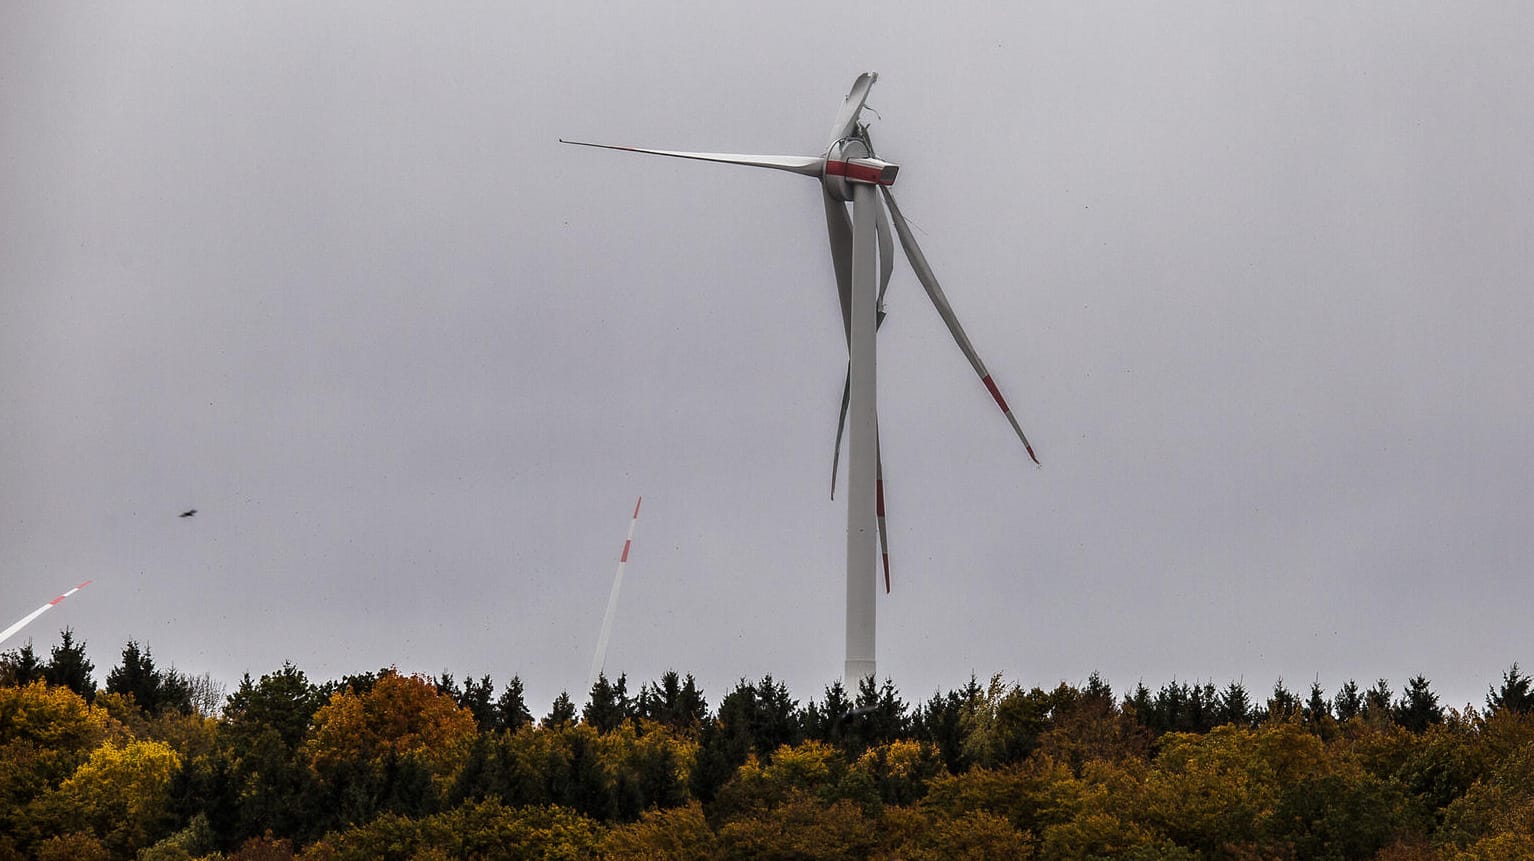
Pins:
<point x="1514" y="696"/>
<point x="68" y="666"/>
<point x="511" y="709"/>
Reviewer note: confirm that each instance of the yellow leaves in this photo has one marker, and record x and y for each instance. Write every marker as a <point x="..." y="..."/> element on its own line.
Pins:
<point x="679" y="834"/>
<point x="120" y="793"/>
<point x="51" y="717"/>
<point x="403" y="716"/>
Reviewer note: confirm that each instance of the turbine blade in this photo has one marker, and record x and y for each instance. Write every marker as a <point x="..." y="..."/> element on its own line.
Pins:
<point x="944" y="310"/>
<point x="884" y="541"/>
<point x="841" y="425"/>
<point x="27" y="619"/>
<point x="801" y="164"/>
<point x="839" y="231"/>
<point x="599" y="660"/>
<point x="847" y="117"/>
<point x="886" y="254"/>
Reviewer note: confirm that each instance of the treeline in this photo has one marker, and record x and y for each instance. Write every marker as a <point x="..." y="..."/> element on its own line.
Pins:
<point x="157" y="765"/>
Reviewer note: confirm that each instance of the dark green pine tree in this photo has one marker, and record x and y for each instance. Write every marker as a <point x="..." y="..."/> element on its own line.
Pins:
<point x="1515" y="694"/>
<point x="609" y="705"/>
<point x="826" y="721"/>
<point x="1235" y="705"/>
<point x="561" y="713"/>
<point x="1377" y="704"/>
<point x="1418" y="707"/>
<point x="511" y="709"/>
<point x="1283" y="704"/>
<point x="672" y="702"/>
<point x="138" y="677"/>
<point x="1349" y="702"/>
<point x="20" y="667"/>
<point x="1318" y="709"/>
<point x="478" y="698"/>
<point x="68" y="666"/>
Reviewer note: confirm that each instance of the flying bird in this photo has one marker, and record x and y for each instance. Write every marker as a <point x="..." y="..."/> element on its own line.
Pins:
<point x="189" y="512"/>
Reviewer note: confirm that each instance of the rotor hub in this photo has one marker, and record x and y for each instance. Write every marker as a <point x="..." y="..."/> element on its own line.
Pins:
<point x="851" y="160"/>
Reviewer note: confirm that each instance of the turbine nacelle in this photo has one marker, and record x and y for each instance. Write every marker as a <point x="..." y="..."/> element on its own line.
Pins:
<point x="852" y="160"/>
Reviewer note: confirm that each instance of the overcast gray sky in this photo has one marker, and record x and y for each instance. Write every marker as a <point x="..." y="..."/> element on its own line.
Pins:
<point x="1255" y="278"/>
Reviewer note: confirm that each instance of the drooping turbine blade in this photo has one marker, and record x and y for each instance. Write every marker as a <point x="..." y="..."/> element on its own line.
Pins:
<point x="27" y="620"/>
<point x="886" y="268"/>
<point x="801" y="164"/>
<point x="847" y="117"/>
<point x="839" y="231"/>
<point x="599" y="659"/>
<point x="841" y="425"/>
<point x="944" y="310"/>
<point x="884" y="541"/>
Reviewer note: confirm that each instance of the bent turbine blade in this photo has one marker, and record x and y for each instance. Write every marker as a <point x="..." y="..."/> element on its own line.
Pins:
<point x="27" y="620"/>
<point x="944" y="310"/>
<point x="805" y="165"/>
<point x="884" y="541"/>
<point x="847" y="117"/>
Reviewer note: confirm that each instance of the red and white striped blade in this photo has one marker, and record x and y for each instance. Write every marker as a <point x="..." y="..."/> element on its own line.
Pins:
<point x="27" y="620"/>
<point x="847" y="117"/>
<point x="944" y="310"/>
<point x="599" y="659"/>
<point x="801" y="164"/>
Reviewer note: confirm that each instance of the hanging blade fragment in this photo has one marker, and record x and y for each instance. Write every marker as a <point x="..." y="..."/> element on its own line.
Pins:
<point x="805" y="165"/>
<point x="944" y="310"/>
<point x="599" y="660"/>
<point x="27" y="620"/>
<point x="847" y="117"/>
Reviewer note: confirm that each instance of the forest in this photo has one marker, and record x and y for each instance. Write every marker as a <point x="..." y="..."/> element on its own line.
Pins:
<point x="162" y="766"/>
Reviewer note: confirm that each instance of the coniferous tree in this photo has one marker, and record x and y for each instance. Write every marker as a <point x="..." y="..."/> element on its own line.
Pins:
<point x="1349" y="702"/>
<point x="609" y="705"/>
<point x="1235" y="705"/>
<point x="1318" y="709"/>
<point x="478" y="698"/>
<point x="1377" y="699"/>
<point x="1283" y="704"/>
<point x="561" y="713"/>
<point x="68" y="666"/>
<point x="1418" y="707"/>
<point x="1514" y="696"/>
<point x="21" y="667"/>
<point x="824" y="721"/>
<point x="154" y="690"/>
<point x="511" y="709"/>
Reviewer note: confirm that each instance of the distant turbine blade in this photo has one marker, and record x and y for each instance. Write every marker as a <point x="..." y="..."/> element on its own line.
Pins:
<point x="944" y="310"/>
<point x="27" y="620"/>
<point x="847" y="117"/>
<point x="801" y="164"/>
<point x="886" y="267"/>
<point x="600" y="658"/>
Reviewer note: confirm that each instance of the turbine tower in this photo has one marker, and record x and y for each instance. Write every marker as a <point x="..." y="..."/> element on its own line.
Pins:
<point x="862" y="254"/>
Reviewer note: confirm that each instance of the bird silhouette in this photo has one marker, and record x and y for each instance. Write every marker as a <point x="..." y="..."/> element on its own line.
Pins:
<point x="189" y="512"/>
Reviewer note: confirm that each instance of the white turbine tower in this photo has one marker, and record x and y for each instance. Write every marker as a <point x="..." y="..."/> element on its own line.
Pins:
<point x="862" y="254"/>
<point x="27" y="619"/>
<point x="599" y="659"/>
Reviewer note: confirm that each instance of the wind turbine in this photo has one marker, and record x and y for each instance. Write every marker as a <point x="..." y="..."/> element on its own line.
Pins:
<point x="862" y="254"/>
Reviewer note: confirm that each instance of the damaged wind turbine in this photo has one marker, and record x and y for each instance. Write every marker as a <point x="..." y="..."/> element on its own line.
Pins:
<point x="862" y="254"/>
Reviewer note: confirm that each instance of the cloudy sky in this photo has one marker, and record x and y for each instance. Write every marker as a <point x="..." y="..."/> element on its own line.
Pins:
<point x="1255" y="278"/>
